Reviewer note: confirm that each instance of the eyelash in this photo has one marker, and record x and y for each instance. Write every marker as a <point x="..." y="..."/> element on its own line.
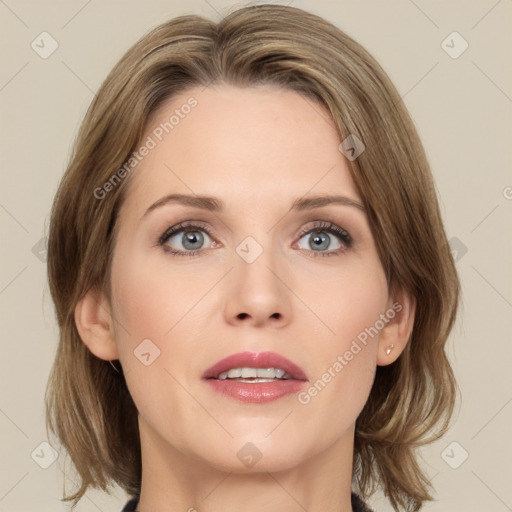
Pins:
<point x="320" y="226"/>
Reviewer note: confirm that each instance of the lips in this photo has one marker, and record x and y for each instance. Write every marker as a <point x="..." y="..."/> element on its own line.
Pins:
<point x="255" y="360"/>
<point x="244" y="390"/>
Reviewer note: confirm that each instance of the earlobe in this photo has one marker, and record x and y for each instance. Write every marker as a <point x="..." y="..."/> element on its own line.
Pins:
<point x="94" y="323"/>
<point x="396" y="333"/>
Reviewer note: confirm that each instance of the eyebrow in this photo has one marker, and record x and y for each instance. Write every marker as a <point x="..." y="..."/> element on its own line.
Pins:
<point x="214" y="204"/>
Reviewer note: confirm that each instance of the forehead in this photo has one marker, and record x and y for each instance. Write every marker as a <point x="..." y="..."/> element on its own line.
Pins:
<point x="260" y="142"/>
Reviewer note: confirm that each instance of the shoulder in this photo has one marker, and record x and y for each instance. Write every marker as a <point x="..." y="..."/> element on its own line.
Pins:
<point x="358" y="505"/>
<point x="131" y="506"/>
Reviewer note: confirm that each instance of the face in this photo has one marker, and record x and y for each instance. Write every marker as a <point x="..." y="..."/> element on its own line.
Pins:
<point x="192" y="285"/>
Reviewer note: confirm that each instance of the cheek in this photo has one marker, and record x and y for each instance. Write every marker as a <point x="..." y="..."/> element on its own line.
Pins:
<point x="348" y="300"/>
<point x="149" y="307"/>
<point x="155" y="321"/>
<point x="149" y="300"/>
<point x="345" y="365"/>
<point x="350" y="304"/>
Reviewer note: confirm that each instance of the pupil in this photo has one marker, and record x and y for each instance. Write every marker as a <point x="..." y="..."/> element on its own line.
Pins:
<point x="321" y="241"/>
<point x="191" y="238"/>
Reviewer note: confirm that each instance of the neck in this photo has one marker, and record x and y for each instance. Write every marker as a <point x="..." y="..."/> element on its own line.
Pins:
<point x="173" y="479"/>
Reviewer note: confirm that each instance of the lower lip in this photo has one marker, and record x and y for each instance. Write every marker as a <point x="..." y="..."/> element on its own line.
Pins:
<point x="260" y="392"/>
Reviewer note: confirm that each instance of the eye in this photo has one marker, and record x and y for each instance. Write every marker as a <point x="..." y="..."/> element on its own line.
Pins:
<point x="319" y="238"/>
<point x="189" y="239"/>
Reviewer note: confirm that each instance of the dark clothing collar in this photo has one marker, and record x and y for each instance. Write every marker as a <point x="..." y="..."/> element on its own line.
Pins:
<point x="357" y="504"/>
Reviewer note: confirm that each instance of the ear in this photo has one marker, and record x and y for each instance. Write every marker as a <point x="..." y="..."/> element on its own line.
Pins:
<point x="400" y="312"/>
<point x="94" y="323"/>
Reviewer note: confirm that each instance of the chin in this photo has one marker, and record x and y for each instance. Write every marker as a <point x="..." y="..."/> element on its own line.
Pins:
<point x="253" y="454"/>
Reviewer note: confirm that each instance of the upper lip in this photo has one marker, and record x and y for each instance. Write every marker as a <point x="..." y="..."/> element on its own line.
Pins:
<point x="255" y="360"/>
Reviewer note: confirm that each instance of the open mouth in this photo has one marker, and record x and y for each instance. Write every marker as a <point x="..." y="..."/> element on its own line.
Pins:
<point x="255" y="375"/>
<point x="264" y="377"/>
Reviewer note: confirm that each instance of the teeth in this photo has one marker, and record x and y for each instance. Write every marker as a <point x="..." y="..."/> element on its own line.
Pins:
<point x="248" y="373"/>
<point x="279" y="373"/>
<point x="260" y="374"/>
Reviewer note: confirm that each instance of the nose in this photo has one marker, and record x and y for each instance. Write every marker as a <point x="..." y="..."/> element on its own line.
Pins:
<point x="257" y="293"/>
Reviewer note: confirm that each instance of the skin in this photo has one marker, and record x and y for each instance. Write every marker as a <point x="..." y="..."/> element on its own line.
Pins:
<point x="257" y="149"/>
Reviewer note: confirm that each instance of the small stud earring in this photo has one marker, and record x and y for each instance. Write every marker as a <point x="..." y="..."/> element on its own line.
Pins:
<point x="389" y="349"/>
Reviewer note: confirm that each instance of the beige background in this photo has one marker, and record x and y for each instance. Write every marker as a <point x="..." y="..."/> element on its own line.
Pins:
<point x="462" y="108"/>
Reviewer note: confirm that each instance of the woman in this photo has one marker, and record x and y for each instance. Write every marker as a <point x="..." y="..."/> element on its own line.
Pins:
<point x="248" y="224"/>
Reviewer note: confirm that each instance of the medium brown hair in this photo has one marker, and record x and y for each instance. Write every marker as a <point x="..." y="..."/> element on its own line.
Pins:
<point x="88" y="406"/>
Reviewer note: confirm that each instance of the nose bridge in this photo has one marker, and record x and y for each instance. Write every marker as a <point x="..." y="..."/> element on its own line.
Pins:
<point x="256" y="262"/>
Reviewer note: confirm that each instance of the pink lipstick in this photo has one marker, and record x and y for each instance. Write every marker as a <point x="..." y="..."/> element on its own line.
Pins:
<point x="255" y="377"/>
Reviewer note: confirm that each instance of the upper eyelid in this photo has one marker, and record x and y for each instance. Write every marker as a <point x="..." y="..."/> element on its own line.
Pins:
<point x="182" y="226"/>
